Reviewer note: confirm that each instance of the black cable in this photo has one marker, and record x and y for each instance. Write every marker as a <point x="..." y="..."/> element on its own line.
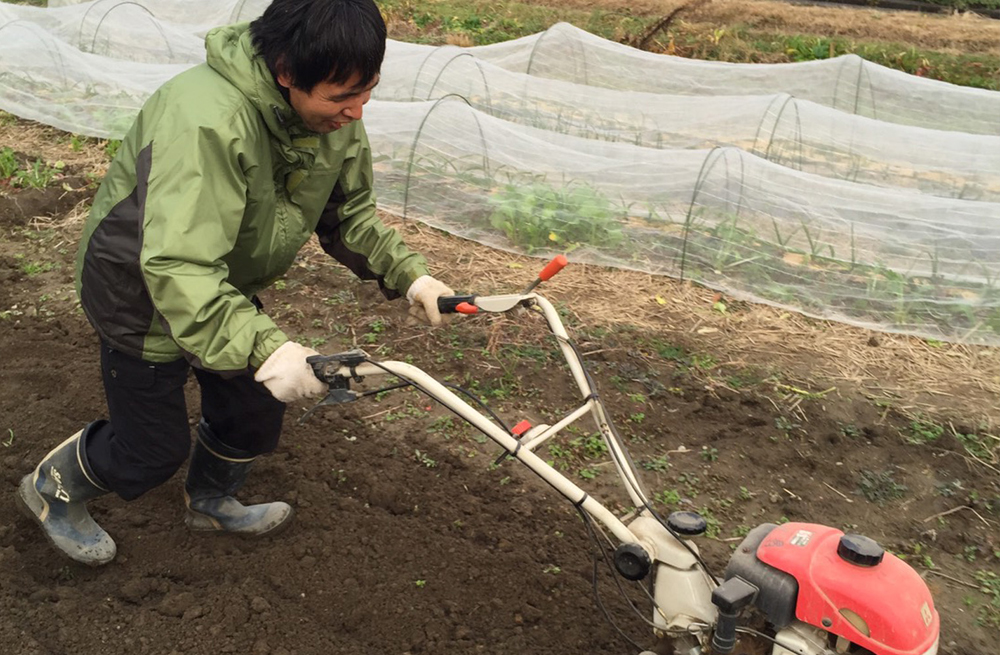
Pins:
<point x="481" y="403"/>
<point x="594" y="529"/>
<point x="391" y="387"/>
<point x="597" y="596"/>
<point x="630" y="464"/>
<point x="614" y="574"/>
<point x="409" y="382"/>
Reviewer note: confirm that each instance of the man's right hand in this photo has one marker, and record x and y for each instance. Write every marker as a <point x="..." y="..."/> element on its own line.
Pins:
<point x="288" y="376"/>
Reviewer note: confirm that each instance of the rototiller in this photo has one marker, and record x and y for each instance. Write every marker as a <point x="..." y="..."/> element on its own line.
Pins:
<point x="820" y="591"/>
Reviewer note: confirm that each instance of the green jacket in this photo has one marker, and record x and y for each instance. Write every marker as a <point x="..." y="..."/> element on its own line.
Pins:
<point x="214" y="190"/>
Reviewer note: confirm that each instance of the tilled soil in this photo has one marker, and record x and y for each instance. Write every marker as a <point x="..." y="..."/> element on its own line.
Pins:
<point x="406" y="538"/>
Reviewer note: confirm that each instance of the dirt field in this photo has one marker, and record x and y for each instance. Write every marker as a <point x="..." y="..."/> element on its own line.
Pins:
<point x="406" y="540"/>
<point x="958" y="33"/>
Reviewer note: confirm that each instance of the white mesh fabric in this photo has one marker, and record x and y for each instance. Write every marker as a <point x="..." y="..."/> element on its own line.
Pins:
<point x="794" y="132"/>
<point x="847" y="83"/>
<point x="591" y="153"/>
<point x="896" y="260"/>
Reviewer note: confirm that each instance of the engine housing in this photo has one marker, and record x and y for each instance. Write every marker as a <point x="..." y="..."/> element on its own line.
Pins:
<point x="843" y="584"/>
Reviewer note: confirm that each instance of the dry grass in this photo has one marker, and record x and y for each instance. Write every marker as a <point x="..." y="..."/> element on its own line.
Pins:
<point x="909" y="373"/>
<point x="958" y="33"/>
<point x="51" y="145"/>
<point x="954" y="34"/>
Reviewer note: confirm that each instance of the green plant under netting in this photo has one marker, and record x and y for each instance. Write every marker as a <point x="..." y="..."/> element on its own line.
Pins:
<point x="538" y="216"/>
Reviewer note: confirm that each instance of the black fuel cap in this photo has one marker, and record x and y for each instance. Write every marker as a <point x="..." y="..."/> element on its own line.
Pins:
<point x="860" y="550"/>
<point x="688" y="524"/>
<point x="632" y="561"/>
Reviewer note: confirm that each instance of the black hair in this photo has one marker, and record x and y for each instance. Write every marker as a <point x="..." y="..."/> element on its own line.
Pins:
<point x="313" y="41"/>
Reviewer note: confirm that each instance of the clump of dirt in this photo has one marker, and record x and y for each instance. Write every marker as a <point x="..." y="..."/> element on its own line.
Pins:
<point x="18" y="208"/>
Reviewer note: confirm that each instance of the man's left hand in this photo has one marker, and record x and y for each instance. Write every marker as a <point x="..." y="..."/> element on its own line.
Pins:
<point x="423" y="295"/>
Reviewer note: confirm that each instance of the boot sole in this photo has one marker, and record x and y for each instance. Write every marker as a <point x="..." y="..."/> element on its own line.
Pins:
<point x="278" y="529"/>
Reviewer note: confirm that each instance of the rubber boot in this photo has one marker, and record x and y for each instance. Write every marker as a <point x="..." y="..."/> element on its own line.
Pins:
<point x="55" y="495"/>
<point x="216" y="472"/>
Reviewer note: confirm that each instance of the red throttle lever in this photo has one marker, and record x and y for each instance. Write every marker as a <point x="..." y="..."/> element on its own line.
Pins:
<point x="557" y="264"/>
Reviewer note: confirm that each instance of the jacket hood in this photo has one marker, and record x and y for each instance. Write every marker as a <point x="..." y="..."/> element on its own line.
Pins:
<point x="230" y="52"/>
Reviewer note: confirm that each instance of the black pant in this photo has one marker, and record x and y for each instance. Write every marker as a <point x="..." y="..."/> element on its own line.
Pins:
<point x="149" y="437"/>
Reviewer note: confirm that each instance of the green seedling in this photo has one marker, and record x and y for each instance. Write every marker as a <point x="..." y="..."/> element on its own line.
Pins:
<point x="667" y="497"/>
<point x="8" y="163"/>
<point x="989" y="584"/>
<point x="849" y="430"/>
<point x="714" y="528"/>
<point x="660" y="464"/>
<point x="424" y="459"/>
<point x="922" y="432"/>
<point x="593" y="446"/>
<point x="37" y="176"/>
<point x="111" y="147"/>
<point x="35" y="268"/>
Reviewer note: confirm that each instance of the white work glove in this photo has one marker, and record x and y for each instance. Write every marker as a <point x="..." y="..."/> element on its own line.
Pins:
<point x="423" y="295"/>
<point x="288" y="376"/>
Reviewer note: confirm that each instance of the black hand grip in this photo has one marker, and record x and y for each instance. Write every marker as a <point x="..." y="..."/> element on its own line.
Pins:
<point x="449" y="304"/>
<point x="325" y="367"/>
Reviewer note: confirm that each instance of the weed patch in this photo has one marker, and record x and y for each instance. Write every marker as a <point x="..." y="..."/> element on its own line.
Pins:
<point x="880" y="487"/>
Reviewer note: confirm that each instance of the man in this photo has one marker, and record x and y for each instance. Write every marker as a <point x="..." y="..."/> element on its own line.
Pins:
<point x="225" y="174"/>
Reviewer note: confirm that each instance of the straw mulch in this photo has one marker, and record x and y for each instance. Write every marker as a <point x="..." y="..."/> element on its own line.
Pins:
<point x="913" y="375"/>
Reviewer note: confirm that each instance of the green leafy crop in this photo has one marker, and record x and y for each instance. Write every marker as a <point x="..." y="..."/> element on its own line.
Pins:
<point x="538" y="216"/>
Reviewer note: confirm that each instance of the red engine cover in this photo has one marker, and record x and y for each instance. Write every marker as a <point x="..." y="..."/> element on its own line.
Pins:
<point x="891" y="597"/>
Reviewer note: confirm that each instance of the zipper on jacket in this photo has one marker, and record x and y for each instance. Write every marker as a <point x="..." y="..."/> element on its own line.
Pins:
<point x="279" y="117"/>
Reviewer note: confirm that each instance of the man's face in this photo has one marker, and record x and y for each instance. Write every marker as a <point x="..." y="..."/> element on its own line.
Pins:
<point x="329" y="106"/>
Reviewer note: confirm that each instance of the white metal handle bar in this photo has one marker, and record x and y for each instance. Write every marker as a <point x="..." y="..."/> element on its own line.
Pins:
<point x="357" y="364"/>
<point x="446" y="397"/>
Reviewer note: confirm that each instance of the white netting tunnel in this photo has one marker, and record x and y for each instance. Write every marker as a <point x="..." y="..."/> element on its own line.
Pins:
<point x="771" y="187"/>
<point x="793" y="132"/>
<point x="895" y="260"/>
<point x="847" y="83"/>
<point x="45" y="79"/>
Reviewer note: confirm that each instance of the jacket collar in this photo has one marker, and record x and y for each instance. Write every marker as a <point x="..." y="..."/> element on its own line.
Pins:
<point x="230" y="51"/>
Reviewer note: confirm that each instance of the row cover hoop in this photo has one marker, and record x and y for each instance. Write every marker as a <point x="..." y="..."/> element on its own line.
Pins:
<point x="874" y="91"/>
<point x="886" y="258"/>
<point x="790" y="131"/>
<point x="934" y="272"/>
